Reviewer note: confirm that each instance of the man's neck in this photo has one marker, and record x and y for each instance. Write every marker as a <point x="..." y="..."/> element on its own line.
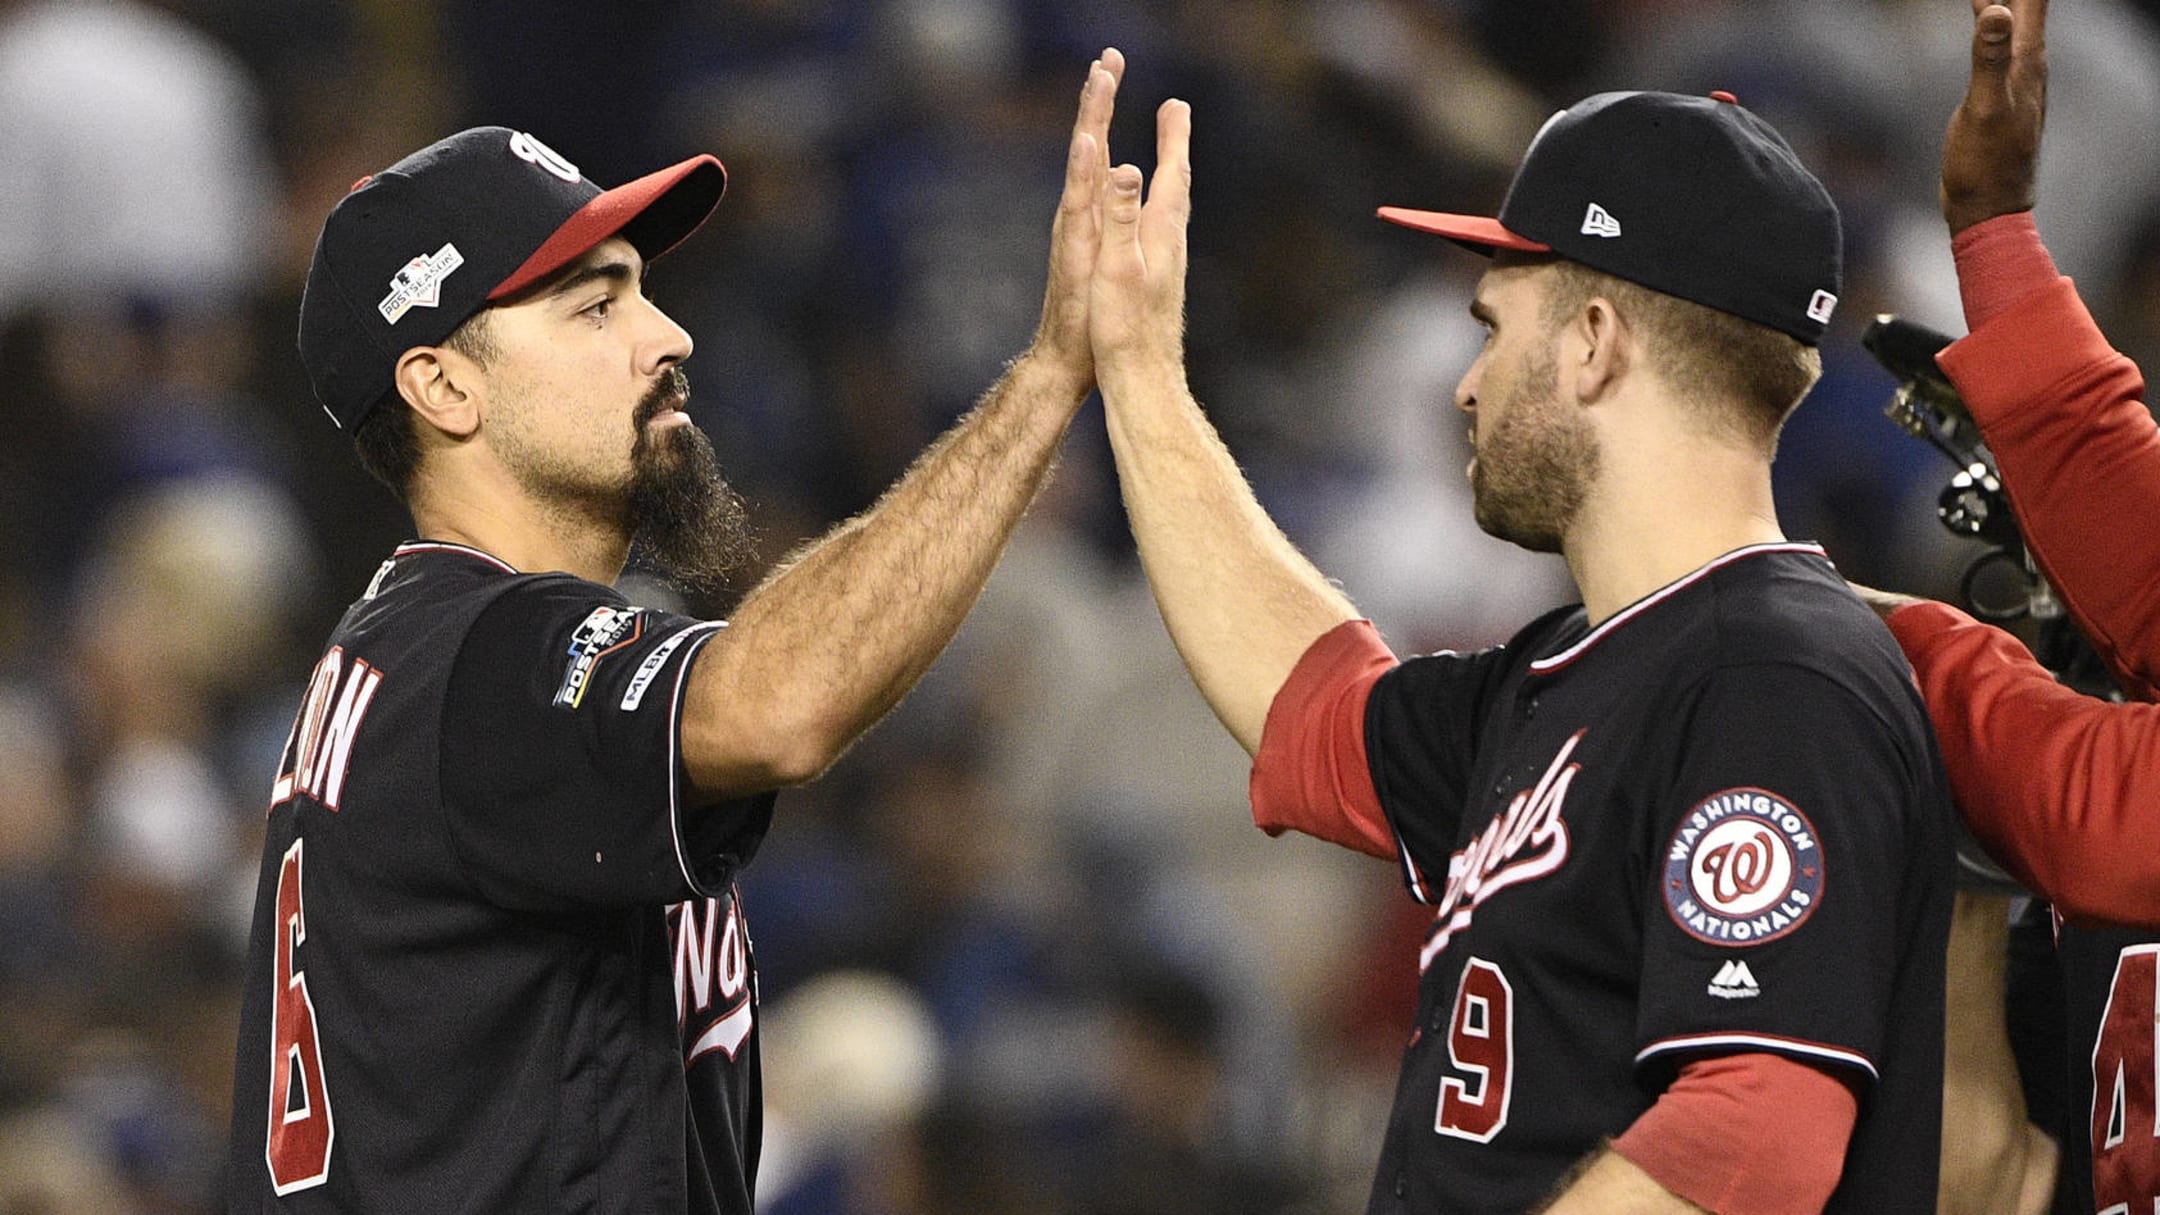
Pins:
<point x="530" y="536"/>
<point x="1651" y="525"/>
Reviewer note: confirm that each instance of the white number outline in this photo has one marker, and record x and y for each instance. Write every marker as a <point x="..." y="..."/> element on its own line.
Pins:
<point x="1459" y="1016"/>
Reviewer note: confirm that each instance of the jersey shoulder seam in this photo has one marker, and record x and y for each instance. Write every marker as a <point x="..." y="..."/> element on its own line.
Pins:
<point x="495" y="596"/>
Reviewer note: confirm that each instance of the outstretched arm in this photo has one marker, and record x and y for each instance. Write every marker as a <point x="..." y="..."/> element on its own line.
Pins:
<point x="2057" y="785"/>
<point x="830" y="642"/>
<point x="2062" y="411"/>
<point x="1240" y="601"/>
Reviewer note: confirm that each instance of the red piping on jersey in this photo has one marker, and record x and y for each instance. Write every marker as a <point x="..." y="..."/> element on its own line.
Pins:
<point x="444" y="546"/>
<point x="1772" y="1042"/>
<point x="1546" y="666"/>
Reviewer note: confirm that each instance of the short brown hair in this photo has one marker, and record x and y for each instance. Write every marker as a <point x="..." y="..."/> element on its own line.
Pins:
<point x="388" y="440"/>
<point x="1714" y="358"/>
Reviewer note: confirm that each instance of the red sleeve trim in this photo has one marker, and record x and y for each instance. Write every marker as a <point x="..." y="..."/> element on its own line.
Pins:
<point x="2057" y="786"/>
<point x="1748" y="1134"/>
<point x="1310" y="773"/>
<point x="2000" y="262"/>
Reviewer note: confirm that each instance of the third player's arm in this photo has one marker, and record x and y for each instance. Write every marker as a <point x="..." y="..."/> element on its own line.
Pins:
<point x="1608" y="1183"/>
<point x="1240" y="601"/>
<point x="829" y="643"/>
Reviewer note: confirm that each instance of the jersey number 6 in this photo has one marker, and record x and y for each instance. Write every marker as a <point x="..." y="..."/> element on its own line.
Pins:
<point x="298" y="1146"/>
<point x="1481" y="1045"/>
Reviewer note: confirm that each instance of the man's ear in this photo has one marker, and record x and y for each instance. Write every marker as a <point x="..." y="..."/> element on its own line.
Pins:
<point x="1601" y="353"/>
<point x="443" y="386"/>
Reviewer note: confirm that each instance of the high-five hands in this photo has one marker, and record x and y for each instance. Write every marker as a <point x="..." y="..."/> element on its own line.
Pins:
<point x="1061" y="340"/>
<point x="1137" y="307"/>
<point x="1992" y="148"/>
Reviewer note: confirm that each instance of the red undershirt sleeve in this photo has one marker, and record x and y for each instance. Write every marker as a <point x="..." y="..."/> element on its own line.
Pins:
<point x="2059" y="787"/>
<point x="1747" y="1134"/>
<point x="1999" y="262"/>
<point x="1311" y="773"/>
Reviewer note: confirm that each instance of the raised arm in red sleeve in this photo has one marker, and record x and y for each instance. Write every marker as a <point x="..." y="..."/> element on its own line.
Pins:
<point x="2079" y="453"/>
<point x="2061" y="788"/>
<point x="1310" y="773"/>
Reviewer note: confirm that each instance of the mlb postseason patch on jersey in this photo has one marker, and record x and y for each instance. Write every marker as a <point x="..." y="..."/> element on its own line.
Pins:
<point x="1743" y="868"/>
<point x="606" y="629"/>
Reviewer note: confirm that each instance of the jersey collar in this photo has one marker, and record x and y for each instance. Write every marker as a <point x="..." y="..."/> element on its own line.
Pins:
<point x="413" y="547"/>
<point x="1555" y="662"/>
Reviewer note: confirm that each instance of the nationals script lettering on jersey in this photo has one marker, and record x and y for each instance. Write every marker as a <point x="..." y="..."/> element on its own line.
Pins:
<point x="1522" y="843"/>
<point x="712" y="967"/>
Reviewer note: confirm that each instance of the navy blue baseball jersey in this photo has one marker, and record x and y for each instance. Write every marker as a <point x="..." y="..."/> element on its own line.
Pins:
<point x="2111" y="1123"/>
<point x="497" y="961"/>
<point x="1715" y="823"/>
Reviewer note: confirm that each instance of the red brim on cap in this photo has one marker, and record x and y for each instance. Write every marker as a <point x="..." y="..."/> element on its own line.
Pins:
<point x="654" y="213"/>
<point x="1478" y="233"/>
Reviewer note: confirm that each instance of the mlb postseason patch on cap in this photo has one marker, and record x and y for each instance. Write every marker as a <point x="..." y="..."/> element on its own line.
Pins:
<point x="1744" y="867"/>
<point x="419" y="283"/>
<point x="467" y="221"/>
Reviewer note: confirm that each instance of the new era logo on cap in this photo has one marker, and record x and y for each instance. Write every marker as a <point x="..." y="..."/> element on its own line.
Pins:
<point x="1597" y="221"/>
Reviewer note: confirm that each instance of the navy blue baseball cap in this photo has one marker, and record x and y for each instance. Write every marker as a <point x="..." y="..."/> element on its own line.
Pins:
<point x="415" y="250"/>
<point x="1695" y="197"/>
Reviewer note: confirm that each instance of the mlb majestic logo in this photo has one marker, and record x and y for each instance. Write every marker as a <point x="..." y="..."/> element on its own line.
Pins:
<point x="419" y="284"/>
<point x="1743" y="868"/>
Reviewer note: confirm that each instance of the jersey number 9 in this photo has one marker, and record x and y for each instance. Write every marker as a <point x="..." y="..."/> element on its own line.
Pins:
<point x="1481" y="1045"/>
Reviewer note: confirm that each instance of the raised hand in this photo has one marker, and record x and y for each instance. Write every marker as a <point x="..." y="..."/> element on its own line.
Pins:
<point x="1992" y="149"/>
<point x="1138" y="305"/>
<point x="1061" y="339"/>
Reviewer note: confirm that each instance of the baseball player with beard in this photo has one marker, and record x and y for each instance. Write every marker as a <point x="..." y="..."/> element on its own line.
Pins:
<point x="498" y="963"/>
<point x="1686" y="843"/>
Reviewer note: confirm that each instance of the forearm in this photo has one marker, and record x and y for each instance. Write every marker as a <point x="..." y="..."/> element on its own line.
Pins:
<point x="1241" y="603"/>
<point x="1610" y="1184"/>
<point x="829" y="643"/>
<point x="1990" y="1153"/>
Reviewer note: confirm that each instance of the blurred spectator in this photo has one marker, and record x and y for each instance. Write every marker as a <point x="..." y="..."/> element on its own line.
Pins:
<point x="134" y="162"/>
<point x="48" y="1166"/>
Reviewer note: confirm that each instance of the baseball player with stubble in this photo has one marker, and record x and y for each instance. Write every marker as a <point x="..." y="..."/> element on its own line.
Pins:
<point x="1686" y="843"/>
<point x="498" y="963"/>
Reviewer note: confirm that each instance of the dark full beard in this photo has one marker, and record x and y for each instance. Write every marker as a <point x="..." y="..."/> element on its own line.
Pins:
<point x="1535" y="468"/>
<point x="686" y="522"/>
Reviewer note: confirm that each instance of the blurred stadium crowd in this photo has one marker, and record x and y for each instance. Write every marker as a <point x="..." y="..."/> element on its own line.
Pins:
<point x="1022" y="950"/>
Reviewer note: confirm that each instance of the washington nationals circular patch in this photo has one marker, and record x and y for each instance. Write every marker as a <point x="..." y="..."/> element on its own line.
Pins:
<point x="1744" y="867"/>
